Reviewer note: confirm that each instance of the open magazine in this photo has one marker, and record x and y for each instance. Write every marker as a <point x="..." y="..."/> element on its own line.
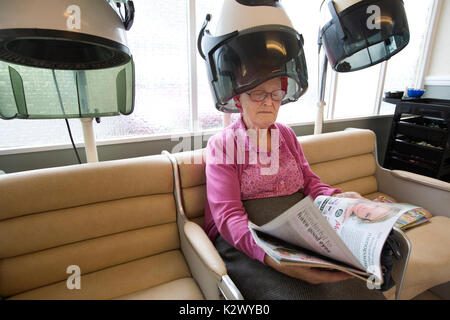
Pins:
<point x="410" y="219"/>
<point x="335" y="233"/>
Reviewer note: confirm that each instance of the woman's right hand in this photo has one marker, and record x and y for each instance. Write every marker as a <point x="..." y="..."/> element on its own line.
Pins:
<point x="310" y="275"/>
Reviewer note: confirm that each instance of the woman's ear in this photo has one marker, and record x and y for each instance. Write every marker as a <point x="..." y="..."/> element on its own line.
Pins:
<point x="237" y="101"/>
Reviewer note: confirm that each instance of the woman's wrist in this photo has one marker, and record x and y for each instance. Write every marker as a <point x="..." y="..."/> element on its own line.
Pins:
<point x="270" y="262"/>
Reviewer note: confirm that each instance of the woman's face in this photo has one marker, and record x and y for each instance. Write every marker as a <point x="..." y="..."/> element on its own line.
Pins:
<point x="260" y="115"/>
<point x="370" y="211"/>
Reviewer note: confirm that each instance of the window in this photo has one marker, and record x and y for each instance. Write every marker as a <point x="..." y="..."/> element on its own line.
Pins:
<point x="161" y="41"/>
<point x="158" y="42"/>
<point x="208" y="116"/>
<point x="304" y="16"/>
<point x="403" y="68"/>
<point x="356" y="93"/>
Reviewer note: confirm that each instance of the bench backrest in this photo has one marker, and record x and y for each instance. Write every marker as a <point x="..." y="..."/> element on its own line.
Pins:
<point x="344" y="159"/>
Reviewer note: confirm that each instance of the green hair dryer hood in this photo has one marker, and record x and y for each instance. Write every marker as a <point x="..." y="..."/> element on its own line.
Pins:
<point x="65" y="59"/>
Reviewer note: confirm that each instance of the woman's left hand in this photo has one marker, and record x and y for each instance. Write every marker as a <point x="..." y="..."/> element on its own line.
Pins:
<point x="349" y="194"/>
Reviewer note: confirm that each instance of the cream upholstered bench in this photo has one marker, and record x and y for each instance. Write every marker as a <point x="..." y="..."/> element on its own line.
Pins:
<point x="347" y="159"/>
<point x="116" y="221"/>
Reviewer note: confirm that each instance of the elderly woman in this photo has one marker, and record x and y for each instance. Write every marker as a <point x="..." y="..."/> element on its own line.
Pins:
<point x="237" y="191"/>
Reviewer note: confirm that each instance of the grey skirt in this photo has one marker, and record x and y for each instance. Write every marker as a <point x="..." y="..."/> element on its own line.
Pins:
<point x="257" y="281"/>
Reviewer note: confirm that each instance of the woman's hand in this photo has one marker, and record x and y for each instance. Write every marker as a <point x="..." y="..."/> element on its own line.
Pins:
<point x="310" y="275"/>
<point x="349" y="194"/>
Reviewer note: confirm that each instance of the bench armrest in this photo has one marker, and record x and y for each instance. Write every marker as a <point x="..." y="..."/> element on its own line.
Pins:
<point x="426" y="192"/>
<point x="204" y="248"/>
<point x="417" y="178"/>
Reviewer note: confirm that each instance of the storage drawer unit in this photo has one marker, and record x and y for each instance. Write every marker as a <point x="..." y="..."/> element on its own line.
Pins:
<point x="419" y="140"/>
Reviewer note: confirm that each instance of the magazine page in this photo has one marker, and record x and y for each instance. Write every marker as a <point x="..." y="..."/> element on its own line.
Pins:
<point x="363" y="225"/>
<point x="411" y="219"/>
<point x="304" y="226"/>
<point x="287" y="254"/>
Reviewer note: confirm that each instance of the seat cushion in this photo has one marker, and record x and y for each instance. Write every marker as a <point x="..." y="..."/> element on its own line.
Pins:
<point x="181" y="289"/>
<point x="117" y="281"/>
<point x="429" y="260"/>
<point x="427" y="295"/>
<point x="374" y="195"/>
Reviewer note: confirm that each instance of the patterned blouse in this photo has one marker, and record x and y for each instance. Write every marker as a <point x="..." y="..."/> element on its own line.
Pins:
<point x="236" y="170"/>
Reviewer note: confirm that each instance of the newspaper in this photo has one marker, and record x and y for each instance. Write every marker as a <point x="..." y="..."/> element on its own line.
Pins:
<point x="331" y="232"/>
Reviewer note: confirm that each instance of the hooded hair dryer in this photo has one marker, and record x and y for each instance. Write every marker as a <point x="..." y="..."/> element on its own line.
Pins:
<point x="254" y="41"/>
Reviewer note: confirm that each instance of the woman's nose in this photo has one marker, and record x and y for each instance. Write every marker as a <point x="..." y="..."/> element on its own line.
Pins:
<point x="268" y="98"/>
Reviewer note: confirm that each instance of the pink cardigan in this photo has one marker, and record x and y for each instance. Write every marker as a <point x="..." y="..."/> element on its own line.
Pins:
<point x="224" y="211"/>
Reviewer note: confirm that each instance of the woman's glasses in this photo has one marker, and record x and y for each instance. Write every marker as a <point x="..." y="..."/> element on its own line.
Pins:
<point x="260" y="95"/>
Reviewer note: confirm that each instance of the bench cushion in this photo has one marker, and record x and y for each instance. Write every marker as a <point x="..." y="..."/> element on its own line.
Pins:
<point x="181" y="289"/>
<point x="119" y="280"/>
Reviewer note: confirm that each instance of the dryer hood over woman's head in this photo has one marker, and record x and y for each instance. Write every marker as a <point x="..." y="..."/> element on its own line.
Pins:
<point x="253" y="41"/>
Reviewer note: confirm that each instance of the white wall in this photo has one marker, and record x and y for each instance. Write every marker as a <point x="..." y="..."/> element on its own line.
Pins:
<point x="439" y="67"/>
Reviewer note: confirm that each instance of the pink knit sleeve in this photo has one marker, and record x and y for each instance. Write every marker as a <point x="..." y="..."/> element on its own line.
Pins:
<point x="224" y="198"/>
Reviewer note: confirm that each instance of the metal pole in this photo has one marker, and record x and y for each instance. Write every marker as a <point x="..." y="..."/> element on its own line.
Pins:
<point x="89" y="140"/>
<point x="381" y="81"/>
<point x="192" y="52"/>
<point x="321" y="103"/>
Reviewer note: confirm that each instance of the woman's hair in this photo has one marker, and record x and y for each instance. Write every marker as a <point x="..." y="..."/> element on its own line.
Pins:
<point x="284" y="85"/>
